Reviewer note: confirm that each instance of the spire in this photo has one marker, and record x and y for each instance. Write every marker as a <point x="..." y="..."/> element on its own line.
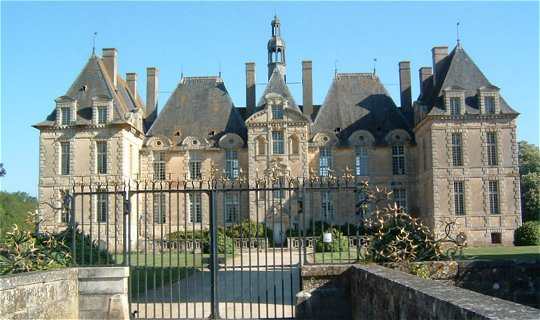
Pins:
<point x="457" y="35"/>
<point x="276" y="49"/>
<point x="94" y="44"/>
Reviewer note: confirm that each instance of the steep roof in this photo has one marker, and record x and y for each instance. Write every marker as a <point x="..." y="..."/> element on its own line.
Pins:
<point x="277" y="84"/>
<point x="197" y="106"/>
<point x="94" y="81"/>
<point x="358" y="101"/>
<point x="458" y="71"/>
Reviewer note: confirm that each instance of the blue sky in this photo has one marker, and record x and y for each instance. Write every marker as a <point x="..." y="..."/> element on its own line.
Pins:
<point x="45" y="45"/>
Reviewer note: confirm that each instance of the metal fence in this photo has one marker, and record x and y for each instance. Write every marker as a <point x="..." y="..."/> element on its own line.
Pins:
<point x="219" y="248"/>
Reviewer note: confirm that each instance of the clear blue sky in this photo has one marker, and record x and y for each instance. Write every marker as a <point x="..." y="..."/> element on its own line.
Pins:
<point x="45" y="45"/>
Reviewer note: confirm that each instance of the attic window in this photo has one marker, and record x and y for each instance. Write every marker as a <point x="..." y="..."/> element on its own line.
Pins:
<point x="177" y="133"/>
<point x="325" y="139"/>
<point x="195" y="141"/>
<point x="211" y="133"/>
<point x="398" y="137"/>
<point x="83" y="88"/>
<point x="158" y="143"/>
<point x="361" y="138"/>
<point x="337" y="130"/>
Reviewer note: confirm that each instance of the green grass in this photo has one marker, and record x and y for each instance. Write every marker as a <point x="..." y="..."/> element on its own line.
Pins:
<point x="502" y="253"/>
<point x="334" y="257"/>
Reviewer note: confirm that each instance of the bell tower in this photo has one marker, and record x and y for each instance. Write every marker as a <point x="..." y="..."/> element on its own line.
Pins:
<point x="276" y="49"/>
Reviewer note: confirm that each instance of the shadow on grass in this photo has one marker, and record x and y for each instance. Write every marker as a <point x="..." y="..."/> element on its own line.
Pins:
<point x="145" y="279"/>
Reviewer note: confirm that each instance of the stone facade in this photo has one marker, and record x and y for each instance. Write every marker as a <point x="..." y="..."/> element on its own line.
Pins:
<point x="408" y="149"/>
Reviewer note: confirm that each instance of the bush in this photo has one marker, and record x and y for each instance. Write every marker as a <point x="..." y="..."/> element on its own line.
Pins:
<point x="528" y="234"/>
<point x="248" y="229"/>
<point x="188" y="235"/>
<point x="225" y="244"/>
<point x="339" y="242"/>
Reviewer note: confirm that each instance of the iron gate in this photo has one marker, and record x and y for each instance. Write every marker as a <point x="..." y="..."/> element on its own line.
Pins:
<point x="217" y="248"/>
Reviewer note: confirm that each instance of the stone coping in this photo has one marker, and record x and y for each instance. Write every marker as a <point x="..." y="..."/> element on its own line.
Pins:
<point x="103" y="272"/>
<point x="28" y="278"/>
<point x="484" y="306"/>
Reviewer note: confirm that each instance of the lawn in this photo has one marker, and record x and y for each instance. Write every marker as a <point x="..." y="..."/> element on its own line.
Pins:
<point x="333" y="257"/>
<point x="502" y="253"/>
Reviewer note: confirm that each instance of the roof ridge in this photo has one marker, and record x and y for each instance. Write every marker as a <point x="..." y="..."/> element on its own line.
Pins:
<point x="370" y="75"/>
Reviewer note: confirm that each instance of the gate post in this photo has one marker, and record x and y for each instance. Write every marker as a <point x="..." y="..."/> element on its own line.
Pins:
<point x="214" y="301"/>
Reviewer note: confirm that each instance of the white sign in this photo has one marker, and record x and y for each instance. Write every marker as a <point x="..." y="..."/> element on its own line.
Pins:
<point x="327" y="237"/>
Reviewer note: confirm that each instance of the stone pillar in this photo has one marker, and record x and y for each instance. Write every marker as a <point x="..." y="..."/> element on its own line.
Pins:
<point x="405" y="84"/>
<point x="110" y="59"/>
<point x="131" y="79"/>
<point x="250" y="88"/>
<point x="307" y="88"/>
<point x="438" y="53"/>
<point x="152" y="87"/>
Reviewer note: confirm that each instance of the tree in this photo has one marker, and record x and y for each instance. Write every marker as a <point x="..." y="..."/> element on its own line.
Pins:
<point x="529" y="172"/>
<point x="14" y="209"/>
<point x="2" y="170"/>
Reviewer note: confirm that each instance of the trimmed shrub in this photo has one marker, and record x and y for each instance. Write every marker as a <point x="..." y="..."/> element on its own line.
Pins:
<point x="339" y="242"/>
<point x="528" y="234"/>
<point x="248" y="229"/>
<point x="225" y="244"/>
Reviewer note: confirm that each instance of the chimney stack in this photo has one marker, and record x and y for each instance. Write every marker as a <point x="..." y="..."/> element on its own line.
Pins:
<point x="405" y="84"/>
<point x="250" y="88"/>
<point x="151" y="94"/>
<point x="110" y="59"/>
<point x="131" y="79"/>
<point x="425" y="85"/>
<point x="307" y="88"/>
<point x="438" y="53"/>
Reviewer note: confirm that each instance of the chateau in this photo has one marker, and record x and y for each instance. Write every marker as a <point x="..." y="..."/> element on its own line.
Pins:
<point x="452" y="153"/>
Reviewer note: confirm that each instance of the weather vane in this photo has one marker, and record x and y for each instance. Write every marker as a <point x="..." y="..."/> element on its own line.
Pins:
<point x="457" y="34"/>
<point x="94" y="43"/>
<point x="374" y="65"/>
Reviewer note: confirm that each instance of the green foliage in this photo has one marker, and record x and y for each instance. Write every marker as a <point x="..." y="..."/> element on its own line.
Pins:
<point x="528" y="234"/>
<point x="339" y="242"/>
<point x="529" y="171"/>
<point x="225" y="243"/>
<point x="248" y="229"/>
<point x="419" y="270"/>
<point x="188" y="235"/>
<point x="15" y="209"/>
<point x="87" y="251"/>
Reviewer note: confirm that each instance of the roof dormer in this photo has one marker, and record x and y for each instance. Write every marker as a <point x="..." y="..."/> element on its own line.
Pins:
<point x="66" y="111"/>
<point x="454" y="100"/>
<point x="102" y="109"/>
<point x="489" y="100"/>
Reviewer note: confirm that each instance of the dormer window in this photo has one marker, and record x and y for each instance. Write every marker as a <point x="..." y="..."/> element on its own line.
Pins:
<point x="455" y="106"/>
<point x="489" y="104"/>
<point x="65" y="115"/>
<point x="102" y="114"/>
<point x="277" y="112"/>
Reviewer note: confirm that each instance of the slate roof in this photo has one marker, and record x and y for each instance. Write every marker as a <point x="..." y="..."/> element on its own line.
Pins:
<point x="277" y="84"/>
<point x="93" y="81"/>
<point x="458" y="71"/>
<point x="197" y="106"/>
<point x="358" y="101"/>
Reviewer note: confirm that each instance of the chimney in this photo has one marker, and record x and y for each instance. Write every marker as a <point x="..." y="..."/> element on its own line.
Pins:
<point x="405" y="84"/>
<point x="438" y="53"/>
<point x="151" y="94"/>
<point x="250" y="88"/>
<point x="307" y="88"/>
<point x="424" y="73"/>
<point x="131" y="79"/>
<point x="110" y="59"/>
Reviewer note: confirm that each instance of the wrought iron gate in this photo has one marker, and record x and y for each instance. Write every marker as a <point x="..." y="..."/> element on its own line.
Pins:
<point x="216" y="248"/>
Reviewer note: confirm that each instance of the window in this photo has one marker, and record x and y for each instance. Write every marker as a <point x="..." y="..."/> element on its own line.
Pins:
<point x="325" y="161"/>
<point x="102" y="114"/>
<point x="232" y="207"/>
<point x="294" y="145"/>
<point x="66" y="115"/>
<point x="195" y="170"/>
<point x="455" y="106"/>
<point x="496" y="238"/>
<point x="459" y="198"/>
<point x="159" y="166"/>
<point x="457" y="150"/>
<point x="277" y="142"/>
<point x="361" y="161"/>
<point x="195" y="208"/>
<point x="231" y="164"/>
<point x="493" y="189"/>
<point x="400" y="198"/>
<point x="278" y="192"/>
<point x="159" y="208"/>
<point x="101" y="147"/>
<point x="261" y="146"/>
<point x="277" y="112"/>
<point x="398" y="160"/>
<point x="361" y="206"/>
<point x="489" y="104"/>
<point x="491" y="138"/>
<point x="102" y="207"/>
<point x="327" y="206"/>
<point x="65" y="158"/>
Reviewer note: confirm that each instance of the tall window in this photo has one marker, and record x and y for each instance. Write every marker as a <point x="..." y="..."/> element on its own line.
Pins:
<point x="277" y="112"/>
<point x="102" y="114"/>
<point x="491" y="138"/>
<point x="455" y="106"/>
<point x="195" y="208"/>
<point x="493" y="189"/>
<point x="489" y="104"/>
<point x="361" y="161"/>
<point x="361" y="206"/>
<point x="278" y="146"/>
<point x="102" y="207"/>
<point x="195" y="170"/>
<point x="400" y="198"/>
<point x="325" y="161"/>
<point x="457" y="149"/>
<point x="66" y="115"/>
<point x="159" y="166"/>
<point x="327" y="206"/>
<point x="398" y="159"/>
<point x="459" y="198"/>
<point x="101" y="147"/>
<point x="65" y="157"/>
<point x="231" y="164"/>
<point x="159" y="208"/>
<point x="232" y="207"/>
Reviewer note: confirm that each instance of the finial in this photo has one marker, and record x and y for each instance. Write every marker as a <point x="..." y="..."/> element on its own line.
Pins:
<point x="335" y="68"/>
<point x="457" y="35"/>
<point x="181" y="72"/>
<point x="219" y="68"/>
<point x="94" y="44"/>
<point x="374" y="65"/>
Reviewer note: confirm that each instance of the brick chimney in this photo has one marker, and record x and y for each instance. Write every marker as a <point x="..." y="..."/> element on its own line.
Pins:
<point x="131" y="79"/>
<point x="152" y="88"/>
<point x="307" y="88"/>
<point x="424" y="73"/>
<point x="438" y="53"/>
<point x="250" y="88"/>
<point x="405" y="84"/>
<point x="110" y="59"/>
